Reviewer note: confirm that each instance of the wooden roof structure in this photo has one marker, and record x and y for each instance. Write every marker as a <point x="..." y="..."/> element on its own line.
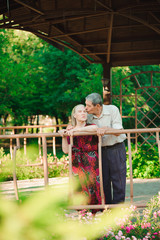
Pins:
<point x="113" y="32"/>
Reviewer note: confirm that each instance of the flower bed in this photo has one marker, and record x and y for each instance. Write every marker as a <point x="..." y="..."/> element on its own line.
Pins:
<point x="135" y="224"/>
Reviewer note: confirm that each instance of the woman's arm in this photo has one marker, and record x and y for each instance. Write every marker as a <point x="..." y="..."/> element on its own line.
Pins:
<point x="65" y="145"/>
<point x="90" y="128"/>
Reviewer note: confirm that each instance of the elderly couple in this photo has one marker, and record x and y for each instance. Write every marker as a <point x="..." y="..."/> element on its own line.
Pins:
<point x="97" y="117"/>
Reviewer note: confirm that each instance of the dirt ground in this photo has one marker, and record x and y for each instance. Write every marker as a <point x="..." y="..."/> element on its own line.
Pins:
<point x="143" y="189"/>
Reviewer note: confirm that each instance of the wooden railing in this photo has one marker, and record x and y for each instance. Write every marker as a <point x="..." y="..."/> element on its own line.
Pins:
<point x="11" y="130"/>
<point x="43" y="136"/>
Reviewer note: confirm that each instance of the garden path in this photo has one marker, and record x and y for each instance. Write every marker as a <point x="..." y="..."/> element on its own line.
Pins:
<point x="143" y="189"/>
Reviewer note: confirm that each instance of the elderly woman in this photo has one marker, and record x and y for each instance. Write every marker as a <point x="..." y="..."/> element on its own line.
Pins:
<point x="84" y="154"/>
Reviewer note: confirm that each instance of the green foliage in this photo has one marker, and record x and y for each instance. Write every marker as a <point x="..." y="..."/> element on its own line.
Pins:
<point x="6" y="166"/>
<point x="36" y="78"/>
<point x="59" y="167"/>
<point x="45" y="215"/>
<point x="144" y="96"/>
<point x="42" y="217"/>
<point x="145" y="162"/>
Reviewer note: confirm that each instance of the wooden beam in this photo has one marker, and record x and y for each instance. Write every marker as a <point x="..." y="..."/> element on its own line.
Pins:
<point x="109" y="39"/>
<point x="127" y="41"/>
<point x="65" y="45"/>
<point x="156" y="18"/>
<point x="80" y="32"/>
<point x="135" y="5"/>
<point x="137" y="19"/>
<point x="76" y="42"/>
<point x="135" y="61"/>
<point x="105" y="6"/>
<point x="31" y="7"/>
<point x="72" y="13"/>
<point x="92" y="44"/>
<point x="124" y="52"/>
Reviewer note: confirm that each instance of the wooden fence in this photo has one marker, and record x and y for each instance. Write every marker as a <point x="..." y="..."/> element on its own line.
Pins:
<point x="43" y="136"/>
<point x="11" y="130"/>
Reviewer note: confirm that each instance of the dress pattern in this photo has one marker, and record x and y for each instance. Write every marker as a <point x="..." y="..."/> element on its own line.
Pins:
<point x="85" y="166"/>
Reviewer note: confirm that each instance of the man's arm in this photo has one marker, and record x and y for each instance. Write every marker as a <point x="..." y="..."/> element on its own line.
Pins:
<point x="101" y="131"/>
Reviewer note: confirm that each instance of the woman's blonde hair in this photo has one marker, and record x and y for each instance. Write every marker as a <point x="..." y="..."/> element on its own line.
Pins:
<point x="73" y="119"/>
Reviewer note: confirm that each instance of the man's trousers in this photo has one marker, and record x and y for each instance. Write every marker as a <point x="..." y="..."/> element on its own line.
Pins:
<point x="114" y="173"/>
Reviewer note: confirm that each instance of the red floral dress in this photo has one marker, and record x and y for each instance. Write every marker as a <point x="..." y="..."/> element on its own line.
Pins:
<point x="85" y="166"/>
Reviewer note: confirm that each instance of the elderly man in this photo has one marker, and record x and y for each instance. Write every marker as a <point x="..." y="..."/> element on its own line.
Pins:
<point x="107" y="117"/>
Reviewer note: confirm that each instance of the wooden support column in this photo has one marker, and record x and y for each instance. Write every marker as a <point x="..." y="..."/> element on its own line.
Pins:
<point x="39" y="145"/>
<point x="130" y="167"/>
<point x="100" y="169"/>
<point x="158" y="143"/>
<point x="25" y="144"/>
<point x="11" y="145"/>
<point x="70" y="170"/>
<point x="45" y="163"/>
<point x="14" y="173"/>
<point x="106" y="81"/>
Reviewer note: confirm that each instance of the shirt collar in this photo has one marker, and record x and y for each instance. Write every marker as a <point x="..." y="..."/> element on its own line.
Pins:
<point x="104" y="112"/>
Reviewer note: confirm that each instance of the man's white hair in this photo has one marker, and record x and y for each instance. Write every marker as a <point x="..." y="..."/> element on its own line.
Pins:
<point x="95" y="98"/>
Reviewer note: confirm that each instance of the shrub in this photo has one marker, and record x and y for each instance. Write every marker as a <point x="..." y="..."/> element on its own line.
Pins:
<point x="60" y="167"/>
<point x="145" y="163"/>
<point x="42" y="217"/>
<point x="136" y="225"/>
<point x="133" y="225"/>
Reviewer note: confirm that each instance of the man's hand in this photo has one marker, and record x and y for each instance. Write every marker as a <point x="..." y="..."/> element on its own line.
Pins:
<point x="101" y="131"/>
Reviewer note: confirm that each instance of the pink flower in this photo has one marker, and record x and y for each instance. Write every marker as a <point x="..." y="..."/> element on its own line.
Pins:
<point x="128" y="229"/>
<point x="120" y="233"/>
<point x="146" y="225"/>
<point x="155" y="214"/>
<point x="131" y="227"/>
<point x="155" y="233"/>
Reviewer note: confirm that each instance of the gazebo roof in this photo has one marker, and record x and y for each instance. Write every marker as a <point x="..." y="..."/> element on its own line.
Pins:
<point x="116" y="32"/>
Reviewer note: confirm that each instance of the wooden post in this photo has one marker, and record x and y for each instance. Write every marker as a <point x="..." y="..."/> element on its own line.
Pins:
<point x="70" y="168"/>
<point x="130" y="167"/>
<point x="18" y="142"/>
<point x="158" y="143"/>
<point x="11" y="144"/>
<point x="39" y="144"/>
<point x="54" y="146"/>
<point x="25" y="143"/>
<point x="14" y="173"/>
<point x="100" y="168"/>
<point x="45" y="163"/>
<point x="107" y="83"/>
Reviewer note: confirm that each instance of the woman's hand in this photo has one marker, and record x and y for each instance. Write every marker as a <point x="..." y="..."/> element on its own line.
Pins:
<point x="62" y="132"/>
<point x="70" y="132"/>
<point x="69" y="127"/>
